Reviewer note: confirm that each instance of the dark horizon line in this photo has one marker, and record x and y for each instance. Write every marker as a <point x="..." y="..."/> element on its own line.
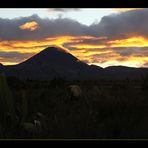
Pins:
<point x="86" y="63"/>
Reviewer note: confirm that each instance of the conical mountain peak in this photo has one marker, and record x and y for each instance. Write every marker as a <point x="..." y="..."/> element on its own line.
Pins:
<point x="53" y="55"/>
<point x="55" y="49"/>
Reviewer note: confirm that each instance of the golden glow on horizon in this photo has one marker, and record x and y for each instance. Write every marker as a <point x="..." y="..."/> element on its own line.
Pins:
<point x="103" y="54"/>
<point x="9" y="63"/>
<point x="130" y="62"/>
<point x="116" y="63"/>
<point x="31" y="26"/>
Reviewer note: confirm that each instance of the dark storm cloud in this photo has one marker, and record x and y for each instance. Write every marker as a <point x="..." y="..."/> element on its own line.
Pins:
<point x="123" y="24"/>
<point x="64" y="9"/>
<point x="91" y="41"/>
<point x="112" y="26"/>
<point x="100" y="58"/>
<point x="9" y="28"/>
<point x="84" y="41"/>
<point x="131" y="51"/>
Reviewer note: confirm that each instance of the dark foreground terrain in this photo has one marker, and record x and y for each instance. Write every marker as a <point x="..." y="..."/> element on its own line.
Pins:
<point x="48" y="109"/>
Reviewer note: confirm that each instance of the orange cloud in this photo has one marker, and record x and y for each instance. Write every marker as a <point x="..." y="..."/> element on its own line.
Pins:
<point x="38" y="45"/>
<point x="102" y="55"/>
<point x="31" y="26"/>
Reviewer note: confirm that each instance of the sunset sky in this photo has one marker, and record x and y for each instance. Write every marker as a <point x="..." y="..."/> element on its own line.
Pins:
<point x="98" y="36"/>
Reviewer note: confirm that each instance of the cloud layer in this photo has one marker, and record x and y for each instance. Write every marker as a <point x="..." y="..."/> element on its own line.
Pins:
<point x="123" y="25"/>
<point x="118" y="39"/>
<point x="10" y="30"/>
<point x="117" y="26"/>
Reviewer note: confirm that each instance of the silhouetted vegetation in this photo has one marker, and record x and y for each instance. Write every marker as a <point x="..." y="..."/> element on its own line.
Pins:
<point x="48" y="110"/>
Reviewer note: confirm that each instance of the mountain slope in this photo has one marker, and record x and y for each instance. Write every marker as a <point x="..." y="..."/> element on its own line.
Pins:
<point x="48" y="64"/>
<point x="55" y="62"/>
<point x="123" y="72"/>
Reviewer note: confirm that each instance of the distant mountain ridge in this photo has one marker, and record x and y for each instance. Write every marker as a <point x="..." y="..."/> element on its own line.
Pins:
<point x="55" y="62"/>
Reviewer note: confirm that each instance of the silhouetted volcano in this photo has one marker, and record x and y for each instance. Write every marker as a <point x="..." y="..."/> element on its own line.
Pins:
<point x="55" y="62"/>
<point x="54" y="58"/>
<point x="50" y="63"/>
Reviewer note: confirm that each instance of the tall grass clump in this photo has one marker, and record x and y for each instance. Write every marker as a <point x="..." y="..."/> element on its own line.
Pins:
<point x="6" y="101"/>
<point x="24" y="105"/>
